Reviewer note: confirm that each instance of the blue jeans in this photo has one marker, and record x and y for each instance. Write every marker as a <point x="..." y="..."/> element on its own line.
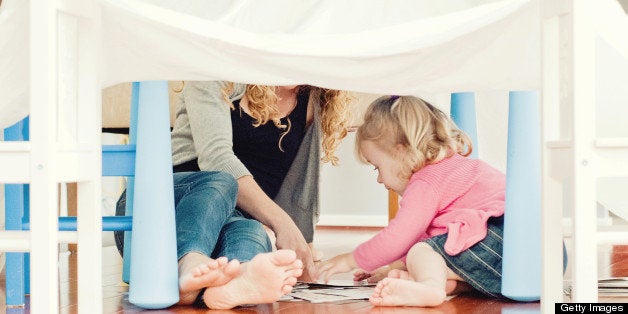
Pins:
<point x="206" y="219"/>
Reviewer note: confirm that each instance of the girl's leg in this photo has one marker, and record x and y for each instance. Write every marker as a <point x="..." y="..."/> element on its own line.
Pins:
<point x="454" y="285"/>
<point x="425" y="285"/>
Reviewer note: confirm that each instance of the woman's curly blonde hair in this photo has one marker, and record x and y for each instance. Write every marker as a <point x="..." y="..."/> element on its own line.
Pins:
<point x="426" y="133"/>
<point x="335" y="114"/>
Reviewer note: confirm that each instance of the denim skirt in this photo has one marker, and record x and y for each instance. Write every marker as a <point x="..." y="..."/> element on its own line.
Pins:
<point x="480" y="265"/>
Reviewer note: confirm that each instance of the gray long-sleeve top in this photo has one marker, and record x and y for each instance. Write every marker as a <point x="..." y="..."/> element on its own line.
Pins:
<point x="202" y="129"/>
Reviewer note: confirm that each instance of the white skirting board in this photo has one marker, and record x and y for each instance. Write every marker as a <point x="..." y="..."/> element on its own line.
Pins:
<point x="353" y="220"/>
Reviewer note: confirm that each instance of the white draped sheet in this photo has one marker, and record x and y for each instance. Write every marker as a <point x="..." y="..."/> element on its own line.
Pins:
<point x="382" y="47"/>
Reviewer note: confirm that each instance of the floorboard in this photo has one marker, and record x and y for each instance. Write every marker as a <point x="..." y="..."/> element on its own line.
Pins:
<point x="613" y="262"/>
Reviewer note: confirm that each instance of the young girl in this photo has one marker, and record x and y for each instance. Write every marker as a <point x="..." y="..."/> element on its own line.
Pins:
<point x="449" y="224"/>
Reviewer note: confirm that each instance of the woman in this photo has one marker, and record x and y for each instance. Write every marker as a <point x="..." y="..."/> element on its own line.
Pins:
<point x="268" y="140"/>
<point x="227" y="127"/>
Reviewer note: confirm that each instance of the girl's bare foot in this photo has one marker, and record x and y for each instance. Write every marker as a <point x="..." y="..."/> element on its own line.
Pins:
<point x="264" y="279"/>
<point x="452" y="286"/>
<point x="400" y="292"/>
<point x="197" y="271"/>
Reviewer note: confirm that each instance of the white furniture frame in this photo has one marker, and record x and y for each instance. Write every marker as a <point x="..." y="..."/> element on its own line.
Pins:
<point x="65" y="147"/>
<point x="571" y="152"/>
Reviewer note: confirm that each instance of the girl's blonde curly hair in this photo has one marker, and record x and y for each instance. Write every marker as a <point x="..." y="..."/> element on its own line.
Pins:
<point x="334" y="104"/>
<point x="426" y="133"/>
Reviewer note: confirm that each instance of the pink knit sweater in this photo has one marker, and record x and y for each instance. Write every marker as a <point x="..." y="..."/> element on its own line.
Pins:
<point x="456" y="196"/>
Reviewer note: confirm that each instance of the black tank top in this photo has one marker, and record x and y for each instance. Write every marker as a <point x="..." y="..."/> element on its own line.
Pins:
<point x="259" y="149"/>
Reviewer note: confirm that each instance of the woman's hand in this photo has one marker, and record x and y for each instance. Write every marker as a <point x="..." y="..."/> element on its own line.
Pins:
<point x="289" y="237"/>
<point x="256" y="203"/>
<point x="339" y="264"/>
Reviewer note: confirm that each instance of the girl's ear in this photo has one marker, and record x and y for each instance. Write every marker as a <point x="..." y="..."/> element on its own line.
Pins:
<point x="400" y="148"/>
<point x="400" y="151"/>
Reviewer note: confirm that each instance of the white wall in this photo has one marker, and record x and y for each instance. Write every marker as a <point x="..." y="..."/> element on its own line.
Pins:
<point x="350" y="194"/>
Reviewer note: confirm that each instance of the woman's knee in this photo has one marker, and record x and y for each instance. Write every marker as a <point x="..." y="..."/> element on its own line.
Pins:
<point x="249" y="229"/>
<point x="251" y="226"/>
<point x="207" y="187"/>
<point x="222" y="182"/>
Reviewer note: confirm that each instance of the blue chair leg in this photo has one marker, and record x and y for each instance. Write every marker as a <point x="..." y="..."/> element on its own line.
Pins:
<point x="126" y="256"/>
<point x="27" y="255"/>
<point x="463" y="114"/>
<point x="154" y="275"/>
<point x="130" y="183"/>
<point x="521" y="265"/>
<point x="16" y="206"/>
<point x="15" y="276"/>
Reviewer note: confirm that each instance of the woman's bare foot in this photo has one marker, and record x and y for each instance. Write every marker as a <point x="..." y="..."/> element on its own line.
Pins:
<point x="400" y="292"/>
<point x="197" y="271"/>
<point x="264" y="279"/>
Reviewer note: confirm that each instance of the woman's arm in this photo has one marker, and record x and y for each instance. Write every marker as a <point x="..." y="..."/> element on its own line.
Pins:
<point x="255" y="202"/>
<point x="209" y="118"/>
<point x="210" y="123"/>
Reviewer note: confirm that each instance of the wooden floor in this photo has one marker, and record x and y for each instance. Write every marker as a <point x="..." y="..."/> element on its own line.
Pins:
<point x="613" y="261"/>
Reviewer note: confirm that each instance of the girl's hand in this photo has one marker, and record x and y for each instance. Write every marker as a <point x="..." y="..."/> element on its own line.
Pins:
<point x="361" y="275"/>
<point x="340" y="264"/>
<point x="373" y="277"/>
<point x="378" y="274"/>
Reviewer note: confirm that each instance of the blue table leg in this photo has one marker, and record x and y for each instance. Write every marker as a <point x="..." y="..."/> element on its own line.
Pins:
<point x="154" y="275"/>
<point x="463" y="114"/>
<point x="521" y="267"/>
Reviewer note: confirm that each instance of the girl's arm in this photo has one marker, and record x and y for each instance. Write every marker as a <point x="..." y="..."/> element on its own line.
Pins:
<point x="418" y="207"/>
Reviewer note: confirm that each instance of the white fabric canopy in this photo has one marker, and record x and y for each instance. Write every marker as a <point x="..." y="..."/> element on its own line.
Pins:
<point x="383" y="47"/>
